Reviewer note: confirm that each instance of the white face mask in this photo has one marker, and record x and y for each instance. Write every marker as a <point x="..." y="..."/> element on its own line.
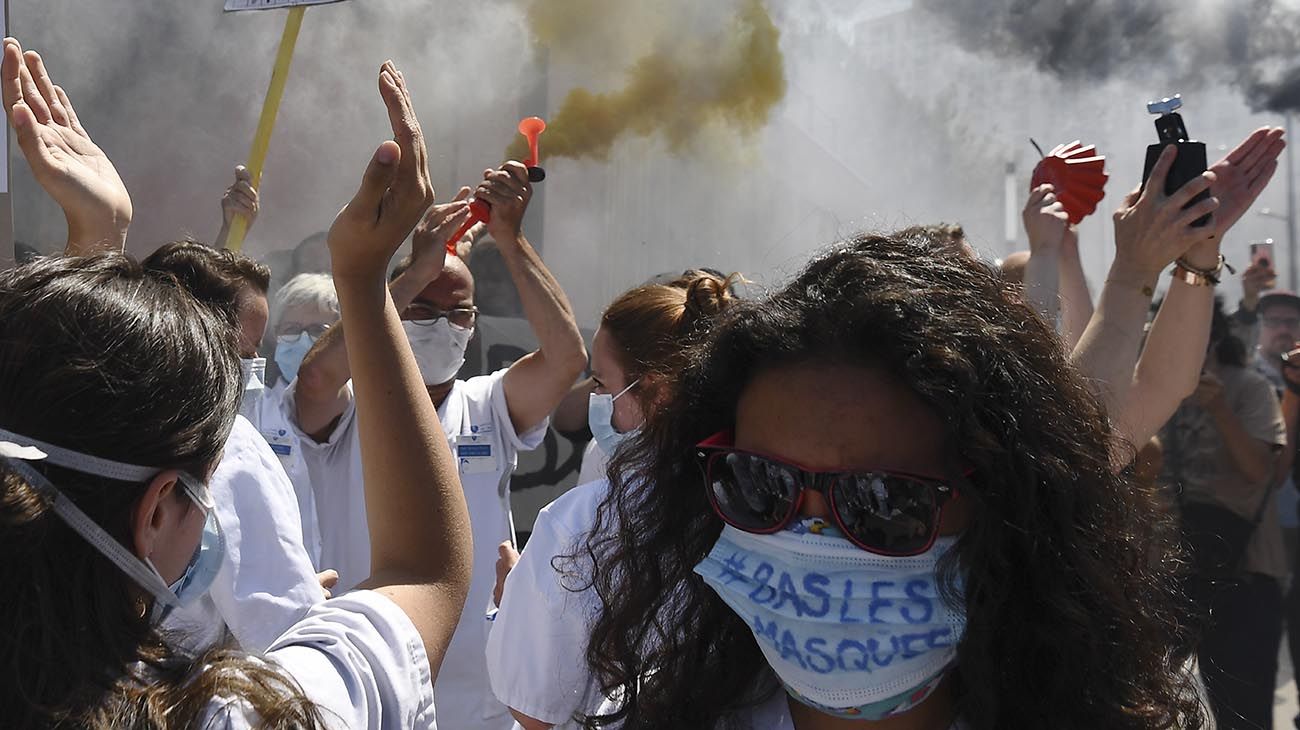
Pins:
<point x="439" y="348"/>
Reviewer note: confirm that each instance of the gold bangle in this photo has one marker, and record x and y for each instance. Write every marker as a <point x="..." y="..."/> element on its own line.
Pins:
<point x="1193" y="276"/>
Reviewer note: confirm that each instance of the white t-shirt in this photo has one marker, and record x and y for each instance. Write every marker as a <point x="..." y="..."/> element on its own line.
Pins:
<point x="266" y="582"/>
<point x="276" y="426"/>
<point x="359" y="658"/>
<point x="483" y="439"/>
<point x="537" y="649"/>
<point x="593" y="466"/>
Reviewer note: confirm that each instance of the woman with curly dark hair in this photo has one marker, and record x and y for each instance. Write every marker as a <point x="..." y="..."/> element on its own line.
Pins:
<point x="884" y="491"/>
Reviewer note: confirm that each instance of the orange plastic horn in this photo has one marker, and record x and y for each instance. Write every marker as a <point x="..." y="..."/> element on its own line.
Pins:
<point x="481" y="212"/>
<point x="532" y="128"/>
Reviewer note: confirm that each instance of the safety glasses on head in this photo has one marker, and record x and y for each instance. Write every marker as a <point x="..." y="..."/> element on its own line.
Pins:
<point x="882" y="511"/>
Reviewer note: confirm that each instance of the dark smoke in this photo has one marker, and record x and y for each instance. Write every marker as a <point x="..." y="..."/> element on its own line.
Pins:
<point x="1251" y="44"/>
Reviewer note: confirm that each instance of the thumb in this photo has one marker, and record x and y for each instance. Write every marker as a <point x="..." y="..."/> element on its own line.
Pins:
<point x="242" y="174"/>
<point x="379" y="173"/>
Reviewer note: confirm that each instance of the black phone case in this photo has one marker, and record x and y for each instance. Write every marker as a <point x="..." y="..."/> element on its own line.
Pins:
<point x="1189" y="163"/>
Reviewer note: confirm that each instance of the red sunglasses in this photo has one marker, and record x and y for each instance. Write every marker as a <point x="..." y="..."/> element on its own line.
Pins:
<point x="881" y="511"/>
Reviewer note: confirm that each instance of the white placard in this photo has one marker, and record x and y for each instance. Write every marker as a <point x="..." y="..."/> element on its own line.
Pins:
<point x="237" y="5"/>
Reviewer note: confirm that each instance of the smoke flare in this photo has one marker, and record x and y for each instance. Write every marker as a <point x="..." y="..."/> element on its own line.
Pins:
<point x="685" y="83"/>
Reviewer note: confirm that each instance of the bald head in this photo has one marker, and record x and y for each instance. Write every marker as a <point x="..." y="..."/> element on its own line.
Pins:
<point x="1013" y="267"/>
<point x="454" y="287"/>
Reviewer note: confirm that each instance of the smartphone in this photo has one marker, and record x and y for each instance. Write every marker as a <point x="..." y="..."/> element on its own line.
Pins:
<point x="1261" y="254"/>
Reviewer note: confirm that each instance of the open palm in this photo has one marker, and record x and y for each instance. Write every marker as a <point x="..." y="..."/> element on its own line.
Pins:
<point x="1242" y="175"/>
<point x="62" y="156"/>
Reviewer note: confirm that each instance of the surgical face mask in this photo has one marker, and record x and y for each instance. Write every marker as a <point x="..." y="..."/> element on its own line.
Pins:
<point x="600" y="418"/>
<point x="439" y="348"/>
<point x="19" y="451"/>
<point x="848" y="632"/>
<point x="289" y="353"/>
<point x="201" y="571"/>
<point x="253" y="372"/>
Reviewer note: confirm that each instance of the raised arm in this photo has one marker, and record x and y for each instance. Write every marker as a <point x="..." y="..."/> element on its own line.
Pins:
<point x="321" y="392"/>
<point x="1151" y="231"/>
<point x="420" y="544"/>
<point x="1046" y="223"/>
<point x="64" y="160"/>
<point x="1076" y="299"/>
<point x="1169" y="370"/>
<point x="538" y="381"/>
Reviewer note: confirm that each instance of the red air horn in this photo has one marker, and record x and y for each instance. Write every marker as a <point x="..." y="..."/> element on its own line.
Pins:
<point x="481" y="212"/>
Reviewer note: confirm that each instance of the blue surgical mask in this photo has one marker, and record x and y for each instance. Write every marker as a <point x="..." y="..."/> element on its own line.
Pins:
<point x="289" y="352"/>
<point x="201" y="571"/>
<point x="848" y="632"/>
<point x="600" y="418"/>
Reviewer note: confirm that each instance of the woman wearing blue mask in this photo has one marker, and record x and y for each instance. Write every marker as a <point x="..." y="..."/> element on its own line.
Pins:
<point x="118" y="390"/>
<point x="535" y="658"/>
<point x="881" y="499"/>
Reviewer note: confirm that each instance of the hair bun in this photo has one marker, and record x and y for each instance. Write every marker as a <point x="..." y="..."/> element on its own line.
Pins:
<point x="707" y="295"/>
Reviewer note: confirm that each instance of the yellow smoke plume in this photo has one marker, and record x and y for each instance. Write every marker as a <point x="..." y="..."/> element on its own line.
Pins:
<point x="685" y="81"/>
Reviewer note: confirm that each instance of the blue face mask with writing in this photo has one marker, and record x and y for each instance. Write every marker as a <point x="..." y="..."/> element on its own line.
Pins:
<point x="848" y="632"/>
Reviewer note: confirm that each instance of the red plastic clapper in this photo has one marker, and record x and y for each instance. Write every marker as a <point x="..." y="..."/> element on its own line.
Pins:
<point x="1078" y="176"/>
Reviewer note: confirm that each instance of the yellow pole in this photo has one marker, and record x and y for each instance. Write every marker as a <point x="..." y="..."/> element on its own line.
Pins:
<point x="270" y="108"/>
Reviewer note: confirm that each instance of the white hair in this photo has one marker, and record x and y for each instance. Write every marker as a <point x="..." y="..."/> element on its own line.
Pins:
<point x="306" y="289"/>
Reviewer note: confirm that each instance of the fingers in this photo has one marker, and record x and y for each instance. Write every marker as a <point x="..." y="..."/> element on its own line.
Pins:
<point x="1036" y="196"/>
<point x="1194" y="213"/>
<point x="26" y="129"/>
<point x="36" y="66"/>
<point x="11" y="89"/>
<point x="1156" y="181"/>
<point x="377" y="178"/>
<point x="461" y="194"/>
<point x="73" y="121"/>
<point x="406" y="127"/>
<point x="1192" y="188"/>
<point x="31" y="94"/>
<point x="1257" y="184"/>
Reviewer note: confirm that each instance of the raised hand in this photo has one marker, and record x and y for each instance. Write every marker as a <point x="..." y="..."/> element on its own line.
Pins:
<point x="1152" y="229"/>
<point x="1045" y="219"/>
<point x="62" y="156"/>
<point x="240" y="198"/>
<point x="508" y="191"/>
<point x="1242" y="175"/>
<point x="429" y="241"/>
<point x="395" y="190"/>
<point x="1255" y="280"/>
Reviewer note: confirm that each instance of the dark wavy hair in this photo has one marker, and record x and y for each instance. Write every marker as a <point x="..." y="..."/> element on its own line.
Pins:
<point x="105" y="357"/>
<point x="1074" y="619"/>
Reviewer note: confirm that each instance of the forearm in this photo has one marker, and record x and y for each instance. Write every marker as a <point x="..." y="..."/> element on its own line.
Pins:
<point x="1170" y="366"/>
<point x="1108" y="350"/>
<point x="1252" y="457"/>
<point x="547" y="310"/>
<point x="1042" y="282"/>
<point x="106" y="235"/>
<point x="1076" y="299"/>
<point x="415" y="506"/>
